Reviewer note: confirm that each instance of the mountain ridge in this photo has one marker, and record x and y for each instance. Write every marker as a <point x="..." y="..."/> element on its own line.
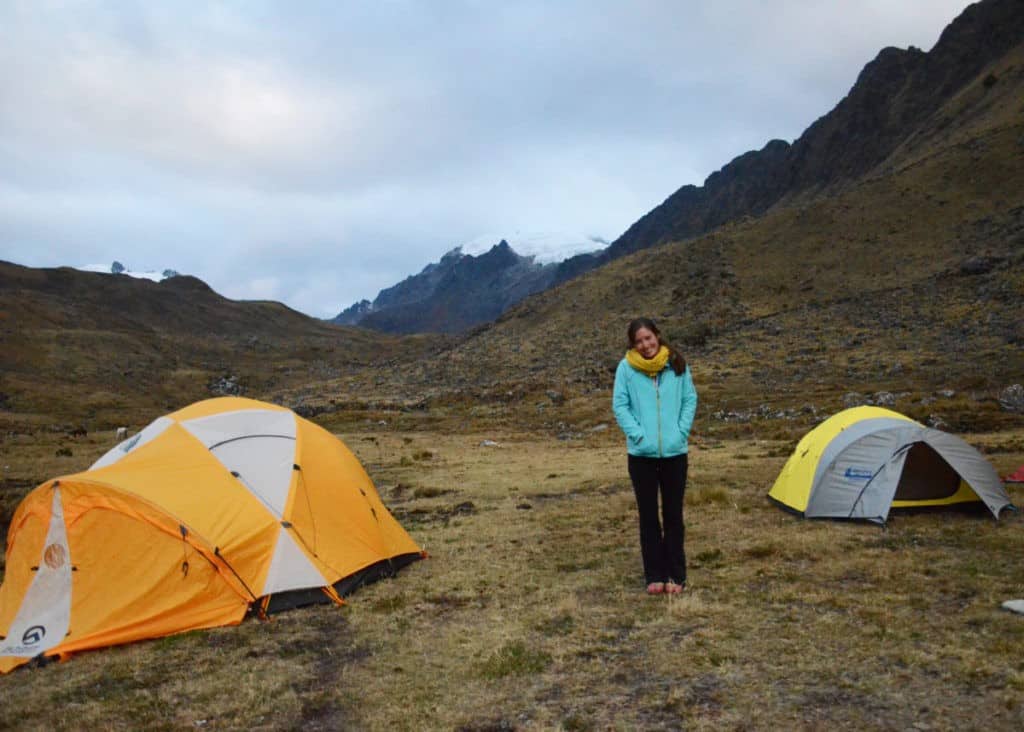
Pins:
<point x="906" y="279"/>
<point x="896" y="90"/>
<point x="456" y="293"/>
<point x="893" y="95"/>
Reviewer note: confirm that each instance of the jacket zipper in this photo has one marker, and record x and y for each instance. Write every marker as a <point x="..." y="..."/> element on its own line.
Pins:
<point x="657" y="405"/>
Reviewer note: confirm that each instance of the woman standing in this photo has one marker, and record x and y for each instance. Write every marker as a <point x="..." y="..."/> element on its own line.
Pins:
<point x="654" y="402"/>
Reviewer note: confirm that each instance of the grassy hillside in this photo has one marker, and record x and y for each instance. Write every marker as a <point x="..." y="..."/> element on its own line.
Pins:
<point x="908" y="281"/>
<point x="98" y="350"/>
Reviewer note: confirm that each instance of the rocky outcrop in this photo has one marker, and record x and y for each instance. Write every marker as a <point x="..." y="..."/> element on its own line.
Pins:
<point x="353" y="313"/>
<point x="894" y="96"/>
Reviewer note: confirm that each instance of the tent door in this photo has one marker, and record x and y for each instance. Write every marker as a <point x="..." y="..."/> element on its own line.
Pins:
<point x="926" y="476"/>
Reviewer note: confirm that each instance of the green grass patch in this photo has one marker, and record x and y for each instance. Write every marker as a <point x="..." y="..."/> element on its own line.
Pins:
<point x="515" y="659"/>
<point x="559" y="625"/>
<point x="705" y="496"/>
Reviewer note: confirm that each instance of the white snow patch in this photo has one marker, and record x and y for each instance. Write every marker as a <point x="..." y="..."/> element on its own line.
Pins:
<point x="544" y="246"/>
<point x="105" y="269"/>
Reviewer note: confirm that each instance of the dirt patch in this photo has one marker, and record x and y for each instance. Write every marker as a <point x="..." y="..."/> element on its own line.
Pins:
<point x="585" y="490"/>
<point x="498" y="724"/>
<point x="441" y="514"/>
<point x="322" y="707"/>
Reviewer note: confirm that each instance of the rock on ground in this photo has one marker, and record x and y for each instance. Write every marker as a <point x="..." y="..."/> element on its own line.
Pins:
<point x="1015" y="606"/>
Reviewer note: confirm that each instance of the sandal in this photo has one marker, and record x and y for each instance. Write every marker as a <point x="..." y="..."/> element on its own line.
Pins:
<point x="655" y="588"/>
<point x="672" y="588"/>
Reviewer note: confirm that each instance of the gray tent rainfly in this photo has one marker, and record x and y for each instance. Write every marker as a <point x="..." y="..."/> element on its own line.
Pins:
<point x="862" y="462"/>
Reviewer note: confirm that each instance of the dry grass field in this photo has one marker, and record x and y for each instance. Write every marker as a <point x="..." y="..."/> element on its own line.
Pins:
<point x="529" y="613"/>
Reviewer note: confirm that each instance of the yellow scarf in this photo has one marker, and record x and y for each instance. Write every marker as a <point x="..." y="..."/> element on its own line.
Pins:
<point x="650" y="366"/>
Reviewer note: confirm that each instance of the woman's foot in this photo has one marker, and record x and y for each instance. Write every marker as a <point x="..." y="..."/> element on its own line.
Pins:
<point x="655" y="588"/>
<point x="674" y="588"/>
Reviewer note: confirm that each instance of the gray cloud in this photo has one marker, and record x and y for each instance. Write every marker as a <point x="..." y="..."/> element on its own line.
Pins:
<point x="315" y="154"/>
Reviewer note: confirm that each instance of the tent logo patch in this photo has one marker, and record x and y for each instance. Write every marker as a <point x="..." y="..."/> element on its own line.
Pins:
<point x="55" y="556"/>
<point x="858" y="474"/>
<point x="33" y="635"/>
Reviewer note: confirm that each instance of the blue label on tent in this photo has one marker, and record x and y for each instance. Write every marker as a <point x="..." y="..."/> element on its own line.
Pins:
<point x="857" y="474"/>
<point x="33" y="635"/>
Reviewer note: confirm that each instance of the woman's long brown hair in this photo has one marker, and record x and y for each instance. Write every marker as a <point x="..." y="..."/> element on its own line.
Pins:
<point x="675" y="358"/>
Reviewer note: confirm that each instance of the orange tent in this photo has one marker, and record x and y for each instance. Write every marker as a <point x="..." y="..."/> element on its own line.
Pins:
<point x="226" y="505"/>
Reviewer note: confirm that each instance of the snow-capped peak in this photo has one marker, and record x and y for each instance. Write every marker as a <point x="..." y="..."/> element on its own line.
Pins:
<point x="544" y="246"/>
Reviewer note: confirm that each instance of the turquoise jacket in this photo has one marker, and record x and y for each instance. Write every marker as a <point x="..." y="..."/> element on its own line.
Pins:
<point x="655" y="414"/>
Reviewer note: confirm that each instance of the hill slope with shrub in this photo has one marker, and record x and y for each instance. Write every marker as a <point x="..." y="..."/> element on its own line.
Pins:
<point x="100" y="348"/>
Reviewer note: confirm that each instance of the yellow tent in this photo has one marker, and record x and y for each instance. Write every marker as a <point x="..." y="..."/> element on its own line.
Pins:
<point x="226" y="505"/>
<point x="863" y="461"/>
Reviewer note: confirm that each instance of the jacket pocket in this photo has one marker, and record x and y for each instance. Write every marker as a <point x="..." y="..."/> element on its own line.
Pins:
<point x="675" y="444"/>
<point x="641" y="447"/>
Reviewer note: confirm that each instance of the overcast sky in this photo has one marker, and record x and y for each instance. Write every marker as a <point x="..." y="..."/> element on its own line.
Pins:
<point x="316" y="152"/>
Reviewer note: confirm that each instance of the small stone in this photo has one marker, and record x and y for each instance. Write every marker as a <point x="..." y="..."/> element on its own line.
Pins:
<point x="977" y="265"/>
<point x="853" y="399"/>
<point x="884" y="399"/>
<point x="1014" y="606"/>
<point x="1012" y="398"/>
<point x="225" y="386"/>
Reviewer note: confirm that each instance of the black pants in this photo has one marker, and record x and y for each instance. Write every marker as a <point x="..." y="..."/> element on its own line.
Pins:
<point x="661" y="543"/>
